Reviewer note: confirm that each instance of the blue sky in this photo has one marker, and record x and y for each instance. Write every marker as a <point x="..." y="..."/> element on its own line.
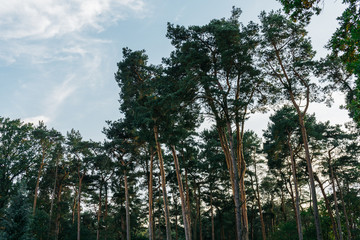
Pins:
<point x="58" y="57"/>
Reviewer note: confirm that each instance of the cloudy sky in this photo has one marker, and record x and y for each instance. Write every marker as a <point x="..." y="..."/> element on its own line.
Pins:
<point x="58" y="57"/>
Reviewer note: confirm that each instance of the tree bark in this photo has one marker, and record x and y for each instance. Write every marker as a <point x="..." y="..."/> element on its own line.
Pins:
<point x="78" y="206"/>
<point x="344" y="209"/>
<point x="99" y="212"/>
<point x="151" y="220"/>
<point x="106" y="210"/>
<point x="297" y="198"/>
<point x="163" y="185"/>
<point x="127" y="205"/>
<point x="301" y="115"/>
<point x="311" y="177"/>
<point x="212" y="217"/>
<point x="58" y="215"/>
<point x="181" y="191"/>
<point x="38" y="181"/>
<point x="328" y="207"/>
<point x="52" y="197"/>
<point x="259" y="205"/>
<point x="235" y="177"/>
<point x="199" y="212"/>
<point x="187" y="189"/>
<point x="334" y="194"/>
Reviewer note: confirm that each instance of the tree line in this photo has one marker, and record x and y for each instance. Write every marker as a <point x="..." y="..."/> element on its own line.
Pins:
<point x="159" y="176"/>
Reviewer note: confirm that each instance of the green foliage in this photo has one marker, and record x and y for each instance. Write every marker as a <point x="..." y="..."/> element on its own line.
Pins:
<point x="285" y="231"/>
<point x="17" y="221"/>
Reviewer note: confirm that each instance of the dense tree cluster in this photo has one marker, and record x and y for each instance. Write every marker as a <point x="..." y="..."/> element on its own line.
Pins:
<point x="180" y="163"/>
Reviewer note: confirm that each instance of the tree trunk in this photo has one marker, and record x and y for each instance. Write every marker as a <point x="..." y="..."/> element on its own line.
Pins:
<point x="241" y="171"/>
<point x="123" y="227"/>
<point x="151" y="228"/>
<point x="259" y="205"/>
<point x="181" y="191"/>
<point x="335" y="197"/>
<point x="344" y="209"/>
<point x="212" y="217"/>
<point x="78" y="207"/>
<point x="38" y="181"/>
<point x="328" y="207"/>
<point x="58" y="215"/>
<point x="74" y="205"/>
<point x="297" y="198"/>
<point x="301" y="115"/>
<point x="127" y="206"/>
<point x="176" y="223"/>
<point x="199" y="212"/>
<point x="187" y="196"/>
<point x="234" y="169"/>
<point x="163" y="185"/>
<point x="99" y="213"/>
<point x="106" y="210"/>
<point x="52" y="197"/>
<point x="311" y="177"/>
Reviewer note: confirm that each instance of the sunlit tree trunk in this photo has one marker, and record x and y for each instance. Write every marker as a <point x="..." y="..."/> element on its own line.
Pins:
<point x="181" y="191"/>
<point x="163" y="185"/>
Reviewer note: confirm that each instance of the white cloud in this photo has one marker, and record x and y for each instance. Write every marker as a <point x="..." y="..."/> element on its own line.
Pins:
<point x="42" y="19"/>
<point x="35" y="120"/>
<point x="60" y="93"/>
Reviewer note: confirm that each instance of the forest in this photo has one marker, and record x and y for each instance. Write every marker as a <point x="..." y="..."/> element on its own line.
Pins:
<point x="181" y="163"/>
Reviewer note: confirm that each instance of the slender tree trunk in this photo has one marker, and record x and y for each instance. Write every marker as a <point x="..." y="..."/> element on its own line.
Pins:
<point x="263" y="232"/>
<point x="181" y="191"/>
<point x="52" y="198"/>
<point x="123" y="227"/>
<point x="244" y="217"/>
<point x="301" y="115"/>
<point x="311" y="177"/>
<point x="335" y="197"/>
<point x="293" y="201"/>
<point x="236" y="185"/>
<point x="58" y="215"/>
<point x="242" y="170"/>
<point x="106" y="210"/>
<point x="212" y="217"/>
<point x="151" y="220"/>
<point x="38" y="181"/>
<point x="344" y="209"/>
<point x="74" y="205"/>
<point x="79" y="207"/>
<point x="127" y="206"/>
<point x="99" y="213"/>
<point x="328" y="207"/>
<point x="297" y="198"/>
<point x="199" y="212"/>
<point x="252" y="223"/>
<point x="176" y="227"/>
<point x="187" y="196"/>
<point x="163" y="185"/>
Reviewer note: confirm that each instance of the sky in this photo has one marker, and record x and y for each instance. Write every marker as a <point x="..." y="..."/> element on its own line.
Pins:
<point x="58" y="57"/>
